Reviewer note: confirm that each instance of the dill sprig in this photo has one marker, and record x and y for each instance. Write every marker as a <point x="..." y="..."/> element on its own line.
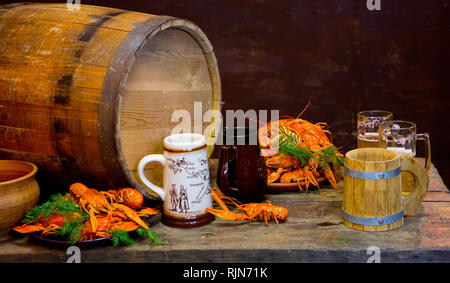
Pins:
<point x="329" y="156"/>
<point x="121" y="237"/>
<point x="288" y="145"/>
<point x="142" y="232"/>
<point x="57" y="204"/>
<point x="72" y="228"/>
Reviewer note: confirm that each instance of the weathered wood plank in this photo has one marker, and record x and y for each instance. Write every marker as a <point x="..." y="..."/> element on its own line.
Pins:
<point x="316" y="238"/>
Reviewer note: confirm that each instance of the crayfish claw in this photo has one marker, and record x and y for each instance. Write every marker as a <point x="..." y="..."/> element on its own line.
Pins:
<point x="131" y="214"/>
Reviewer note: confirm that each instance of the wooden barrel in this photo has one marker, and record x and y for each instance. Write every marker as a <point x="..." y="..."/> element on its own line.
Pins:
<point x="372" y="195"/>
<point x="85" y="94"/>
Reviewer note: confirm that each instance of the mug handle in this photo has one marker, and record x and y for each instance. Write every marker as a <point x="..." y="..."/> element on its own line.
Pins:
<point x="223" y="177"/>
<point x="147" y="159"/>
<point x="426" y="138"/>
<point x="412" y="201"/>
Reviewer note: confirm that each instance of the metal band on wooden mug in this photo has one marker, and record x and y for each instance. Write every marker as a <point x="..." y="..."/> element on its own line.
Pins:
<point x="373" y="221"/>
<point x="372" y="175"/>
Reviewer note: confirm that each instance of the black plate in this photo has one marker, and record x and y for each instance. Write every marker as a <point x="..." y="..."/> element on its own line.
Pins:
<point x="62" y="243"/>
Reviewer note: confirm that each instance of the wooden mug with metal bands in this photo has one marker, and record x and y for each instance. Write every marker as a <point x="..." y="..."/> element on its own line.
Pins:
<point x="372" y="197"/>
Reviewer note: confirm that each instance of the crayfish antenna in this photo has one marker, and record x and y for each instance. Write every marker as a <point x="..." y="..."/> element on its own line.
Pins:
<point x="307" y="106"/>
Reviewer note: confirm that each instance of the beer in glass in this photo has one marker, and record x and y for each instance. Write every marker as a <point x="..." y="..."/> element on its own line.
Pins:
<point x="369" y="128"/>
<point x="401" y="137"/>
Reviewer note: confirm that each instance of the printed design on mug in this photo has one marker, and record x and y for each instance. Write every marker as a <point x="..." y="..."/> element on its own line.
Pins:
<point x="202" y="161"/>
<point x="204" y="173"/>
<point x="183" y="200"/>
<point x="368" y="124"/>
<point x="205" y="190"/>
<point x="173" y="197"/>
<point x="400" y="140"/>
<point x="179" y="201"/>
<point x="180" y="165"/>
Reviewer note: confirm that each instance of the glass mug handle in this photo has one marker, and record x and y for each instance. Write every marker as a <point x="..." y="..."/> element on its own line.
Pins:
<point x="147" y="159"/>
<point x="426" y="138"/>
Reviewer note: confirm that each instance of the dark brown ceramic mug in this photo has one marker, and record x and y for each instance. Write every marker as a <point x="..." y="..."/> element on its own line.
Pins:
<point x="241" y="172"/>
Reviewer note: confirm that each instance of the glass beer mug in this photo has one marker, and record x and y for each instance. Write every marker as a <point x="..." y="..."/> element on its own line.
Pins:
<point x="401" y="137"/>
<point x="369" y="127"/>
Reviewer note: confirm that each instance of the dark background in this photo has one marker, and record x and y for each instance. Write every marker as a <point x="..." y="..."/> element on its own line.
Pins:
<point x="279" y="54"/>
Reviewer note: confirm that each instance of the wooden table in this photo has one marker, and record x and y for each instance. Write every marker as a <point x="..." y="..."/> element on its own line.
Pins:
<point x="313" y="233"/>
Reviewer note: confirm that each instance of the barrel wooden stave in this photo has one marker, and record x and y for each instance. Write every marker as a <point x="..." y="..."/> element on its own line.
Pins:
<point x="50" y="62"/>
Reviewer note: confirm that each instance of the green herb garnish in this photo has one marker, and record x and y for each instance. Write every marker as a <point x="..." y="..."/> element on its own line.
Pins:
<point x="121" y="237"/>
<point x="71" y="229"/>
<point x="288" y="144"/>
<point x="329" y="156"/>
<point x="57" y="204"/>
<point x="142" y="232"/>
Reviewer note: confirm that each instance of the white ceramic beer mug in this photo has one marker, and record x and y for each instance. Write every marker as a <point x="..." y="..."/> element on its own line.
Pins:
<point x="187" y="191"/>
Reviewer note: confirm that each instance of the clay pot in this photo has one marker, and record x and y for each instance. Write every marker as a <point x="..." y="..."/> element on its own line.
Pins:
<point x="19" y="192"/>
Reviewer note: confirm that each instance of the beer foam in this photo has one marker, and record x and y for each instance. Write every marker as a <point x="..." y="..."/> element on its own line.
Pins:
<point x="401" y="150"/>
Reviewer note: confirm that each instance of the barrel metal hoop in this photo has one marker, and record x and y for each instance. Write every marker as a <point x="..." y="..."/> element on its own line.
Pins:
<point x="372" y="175"/>
<point x="373" y="221"/>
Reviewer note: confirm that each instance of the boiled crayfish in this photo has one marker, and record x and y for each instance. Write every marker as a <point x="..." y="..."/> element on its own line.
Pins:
<point x="305" y="152"/>
<point x="93" y="201"/>
<point x="127" y="196"/>
<point x="260" y="211"/>
<point x="106" y="211"/>
<point x="46" y="225"/>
